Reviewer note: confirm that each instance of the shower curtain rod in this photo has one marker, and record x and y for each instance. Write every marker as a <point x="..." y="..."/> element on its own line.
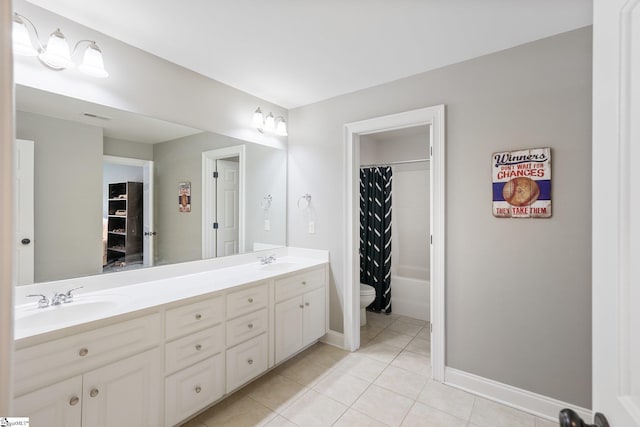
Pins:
<point x="403" y="162"/>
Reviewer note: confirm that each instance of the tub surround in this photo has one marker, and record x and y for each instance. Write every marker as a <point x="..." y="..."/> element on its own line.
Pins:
<point x="199" y="336"/>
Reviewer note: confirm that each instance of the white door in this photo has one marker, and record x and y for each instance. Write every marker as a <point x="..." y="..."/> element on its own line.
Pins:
<point x="616" y="207"/>
<point x="125" y="393"/>
<point x="24" y="212"/>
<point x="288" y="328"/>
<point x="58" y="405"/>
<point x="314" y="319"/>
<point x="148" y="242"/>
<point x="227" y="207"/>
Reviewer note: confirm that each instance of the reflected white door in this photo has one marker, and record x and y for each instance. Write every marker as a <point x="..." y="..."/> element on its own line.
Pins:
<point x="227" y="207"/>
<point x="148" y="242"/>
<point x="616" y="203"/>
<point x="24" y="212"/>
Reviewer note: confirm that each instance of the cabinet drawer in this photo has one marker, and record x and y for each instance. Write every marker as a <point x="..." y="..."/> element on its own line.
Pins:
<point x="46" y="363"/>
<point x="247" y="300"/>
<point x="246" y="361"/>
<point x="194" y="317"/>
<point x="247" y="326"/>
<point x="193" y="348"/>
<point x="194" y="388"/>
<point x="296" y="284"/>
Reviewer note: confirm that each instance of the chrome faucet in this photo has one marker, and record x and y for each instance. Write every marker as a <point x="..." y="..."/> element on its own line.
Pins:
<point x="57" y="299"/>
<point x="267" y="259"/>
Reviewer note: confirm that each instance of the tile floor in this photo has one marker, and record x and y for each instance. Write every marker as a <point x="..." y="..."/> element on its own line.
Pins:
<point x="385" y="383"/>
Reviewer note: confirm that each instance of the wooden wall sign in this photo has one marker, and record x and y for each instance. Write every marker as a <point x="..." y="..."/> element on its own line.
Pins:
<point x="184" y="196"/>
<point x="522" y="183"/>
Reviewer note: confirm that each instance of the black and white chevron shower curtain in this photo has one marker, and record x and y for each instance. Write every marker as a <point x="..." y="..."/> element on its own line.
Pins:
<point x="375" y="234"/>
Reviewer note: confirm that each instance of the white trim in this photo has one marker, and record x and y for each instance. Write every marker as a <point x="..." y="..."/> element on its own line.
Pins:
<point x="433" y="116"/>
<point x="533" y="403"/>
<point x="7" y="202"/>
<point x="333" y="338"/>
<point x="208" y="166"/>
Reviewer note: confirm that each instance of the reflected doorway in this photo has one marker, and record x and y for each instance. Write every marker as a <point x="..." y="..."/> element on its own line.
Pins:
<point x="127" y="225"/>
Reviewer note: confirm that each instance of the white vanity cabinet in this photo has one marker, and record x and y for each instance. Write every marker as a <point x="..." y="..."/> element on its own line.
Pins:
<point x="194" y="357"/>
<point x="300" y="312"/>
<point x="247" y="334"/>
<point x="92" y="378"/>
<point x="166" y="366"/>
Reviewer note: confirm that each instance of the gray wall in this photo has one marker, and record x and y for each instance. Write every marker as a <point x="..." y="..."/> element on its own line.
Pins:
<point x="130" y="149"/>
<point x="518" y="291"/>
<point x="181" y="160"/>
<point x="68" y="196"/>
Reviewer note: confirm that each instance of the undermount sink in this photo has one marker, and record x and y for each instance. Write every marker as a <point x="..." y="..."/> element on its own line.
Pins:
<point x="29" y="316"/>
<point x="278" y="266"/>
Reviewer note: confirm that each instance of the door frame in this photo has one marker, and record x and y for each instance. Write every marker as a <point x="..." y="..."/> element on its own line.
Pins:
<point x="148" y="258"/>
<point x="209" y="195"/>
<point x="434" y="117"/>
<point x="615" y="227"/>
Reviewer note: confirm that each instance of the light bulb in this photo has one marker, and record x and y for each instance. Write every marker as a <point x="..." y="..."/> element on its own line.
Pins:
<point x="56" y="54"/>
<point x="21" y="41"/>
<point x="281" y="127"/>
<point x="258" y="118"/>
<point x="270" y="122"/>
<point x="92" y="63"/>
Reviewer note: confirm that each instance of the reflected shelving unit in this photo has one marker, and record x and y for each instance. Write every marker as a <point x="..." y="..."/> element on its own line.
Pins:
<point x="124" y="224"/>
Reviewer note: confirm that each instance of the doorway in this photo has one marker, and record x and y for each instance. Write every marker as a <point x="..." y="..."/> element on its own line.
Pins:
<point x="124" y="169"/>
<point x="433" y="117"/>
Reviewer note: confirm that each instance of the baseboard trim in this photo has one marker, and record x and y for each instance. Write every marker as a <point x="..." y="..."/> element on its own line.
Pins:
<point x="533" y="403"/>
<point x="334" y="338"/>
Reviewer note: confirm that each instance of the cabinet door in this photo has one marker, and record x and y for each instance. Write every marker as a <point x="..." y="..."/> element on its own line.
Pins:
<point x="314" y="320"/>
<point x="288" y="327"/>
<point x="246" y="361"/>
<point x="125" y="393"/>
<point x="58" y="405"/>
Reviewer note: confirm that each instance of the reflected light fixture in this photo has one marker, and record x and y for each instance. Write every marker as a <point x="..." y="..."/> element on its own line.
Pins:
<point x="55" y="55"/>
<point x="276" y="125"/>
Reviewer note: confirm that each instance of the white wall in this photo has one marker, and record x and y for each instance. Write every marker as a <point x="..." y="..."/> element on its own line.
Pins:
<point x="518" y="291"/>
<point x="133" y="150"/>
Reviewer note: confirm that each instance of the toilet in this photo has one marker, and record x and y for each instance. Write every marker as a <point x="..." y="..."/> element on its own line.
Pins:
<point x="367" y="295"/>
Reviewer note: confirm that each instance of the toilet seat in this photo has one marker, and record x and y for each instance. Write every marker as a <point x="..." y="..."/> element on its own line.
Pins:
<point x="367" y="290"/>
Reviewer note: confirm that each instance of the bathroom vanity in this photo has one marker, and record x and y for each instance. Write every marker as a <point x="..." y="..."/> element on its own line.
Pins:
<point x="158" y="352"/>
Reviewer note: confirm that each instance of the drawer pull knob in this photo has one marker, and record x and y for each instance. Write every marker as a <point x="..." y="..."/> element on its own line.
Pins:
<point x="304" y="282"/>
<point x="301" y="306"/>
<point x="83" y="352"/>
<point x="198" y="389"/>
<point x="94" y="392"/>
<point x="250" y="300"/>
<point x="250" y="325"/>
<point x="198" y="347"/>
<point x="250" y="361"/>
<point x="307" y="304"/>
<point x="198" y="316"/>
<point x="74" y="401"/>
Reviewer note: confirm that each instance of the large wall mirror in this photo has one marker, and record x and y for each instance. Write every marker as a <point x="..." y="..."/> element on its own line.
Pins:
<point x="104" y="190"/>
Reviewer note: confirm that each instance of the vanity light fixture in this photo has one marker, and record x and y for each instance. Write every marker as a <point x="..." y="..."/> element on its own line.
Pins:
<point x="55" y="54"/>
<point x="276" y="125"/>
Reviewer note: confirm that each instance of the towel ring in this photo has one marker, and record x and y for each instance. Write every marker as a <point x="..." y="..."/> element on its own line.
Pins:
<point x="266" y="202"/>
<point x="306" y="201"/>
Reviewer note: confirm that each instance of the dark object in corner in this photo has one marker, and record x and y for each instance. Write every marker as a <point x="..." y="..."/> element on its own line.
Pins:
<point x="569" y="418"/>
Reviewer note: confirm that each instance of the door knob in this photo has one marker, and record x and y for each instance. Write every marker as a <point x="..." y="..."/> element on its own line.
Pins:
<point x="25" y="241"/>
<point x="569" y="418"/>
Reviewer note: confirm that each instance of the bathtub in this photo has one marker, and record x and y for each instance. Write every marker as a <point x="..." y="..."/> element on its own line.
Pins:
<point x="411" y="297"/>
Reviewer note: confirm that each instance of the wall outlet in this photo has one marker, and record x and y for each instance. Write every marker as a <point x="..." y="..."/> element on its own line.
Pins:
<point x="312" y="227"/>
<point x="267" y="225"/>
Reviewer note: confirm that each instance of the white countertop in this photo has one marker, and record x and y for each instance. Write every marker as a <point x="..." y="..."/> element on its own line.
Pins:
<point x="118" y="300"/>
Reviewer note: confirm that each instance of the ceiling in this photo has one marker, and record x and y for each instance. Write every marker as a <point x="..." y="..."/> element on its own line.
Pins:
<point x="115" y="123"/>
<point x="294" y="53"/>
